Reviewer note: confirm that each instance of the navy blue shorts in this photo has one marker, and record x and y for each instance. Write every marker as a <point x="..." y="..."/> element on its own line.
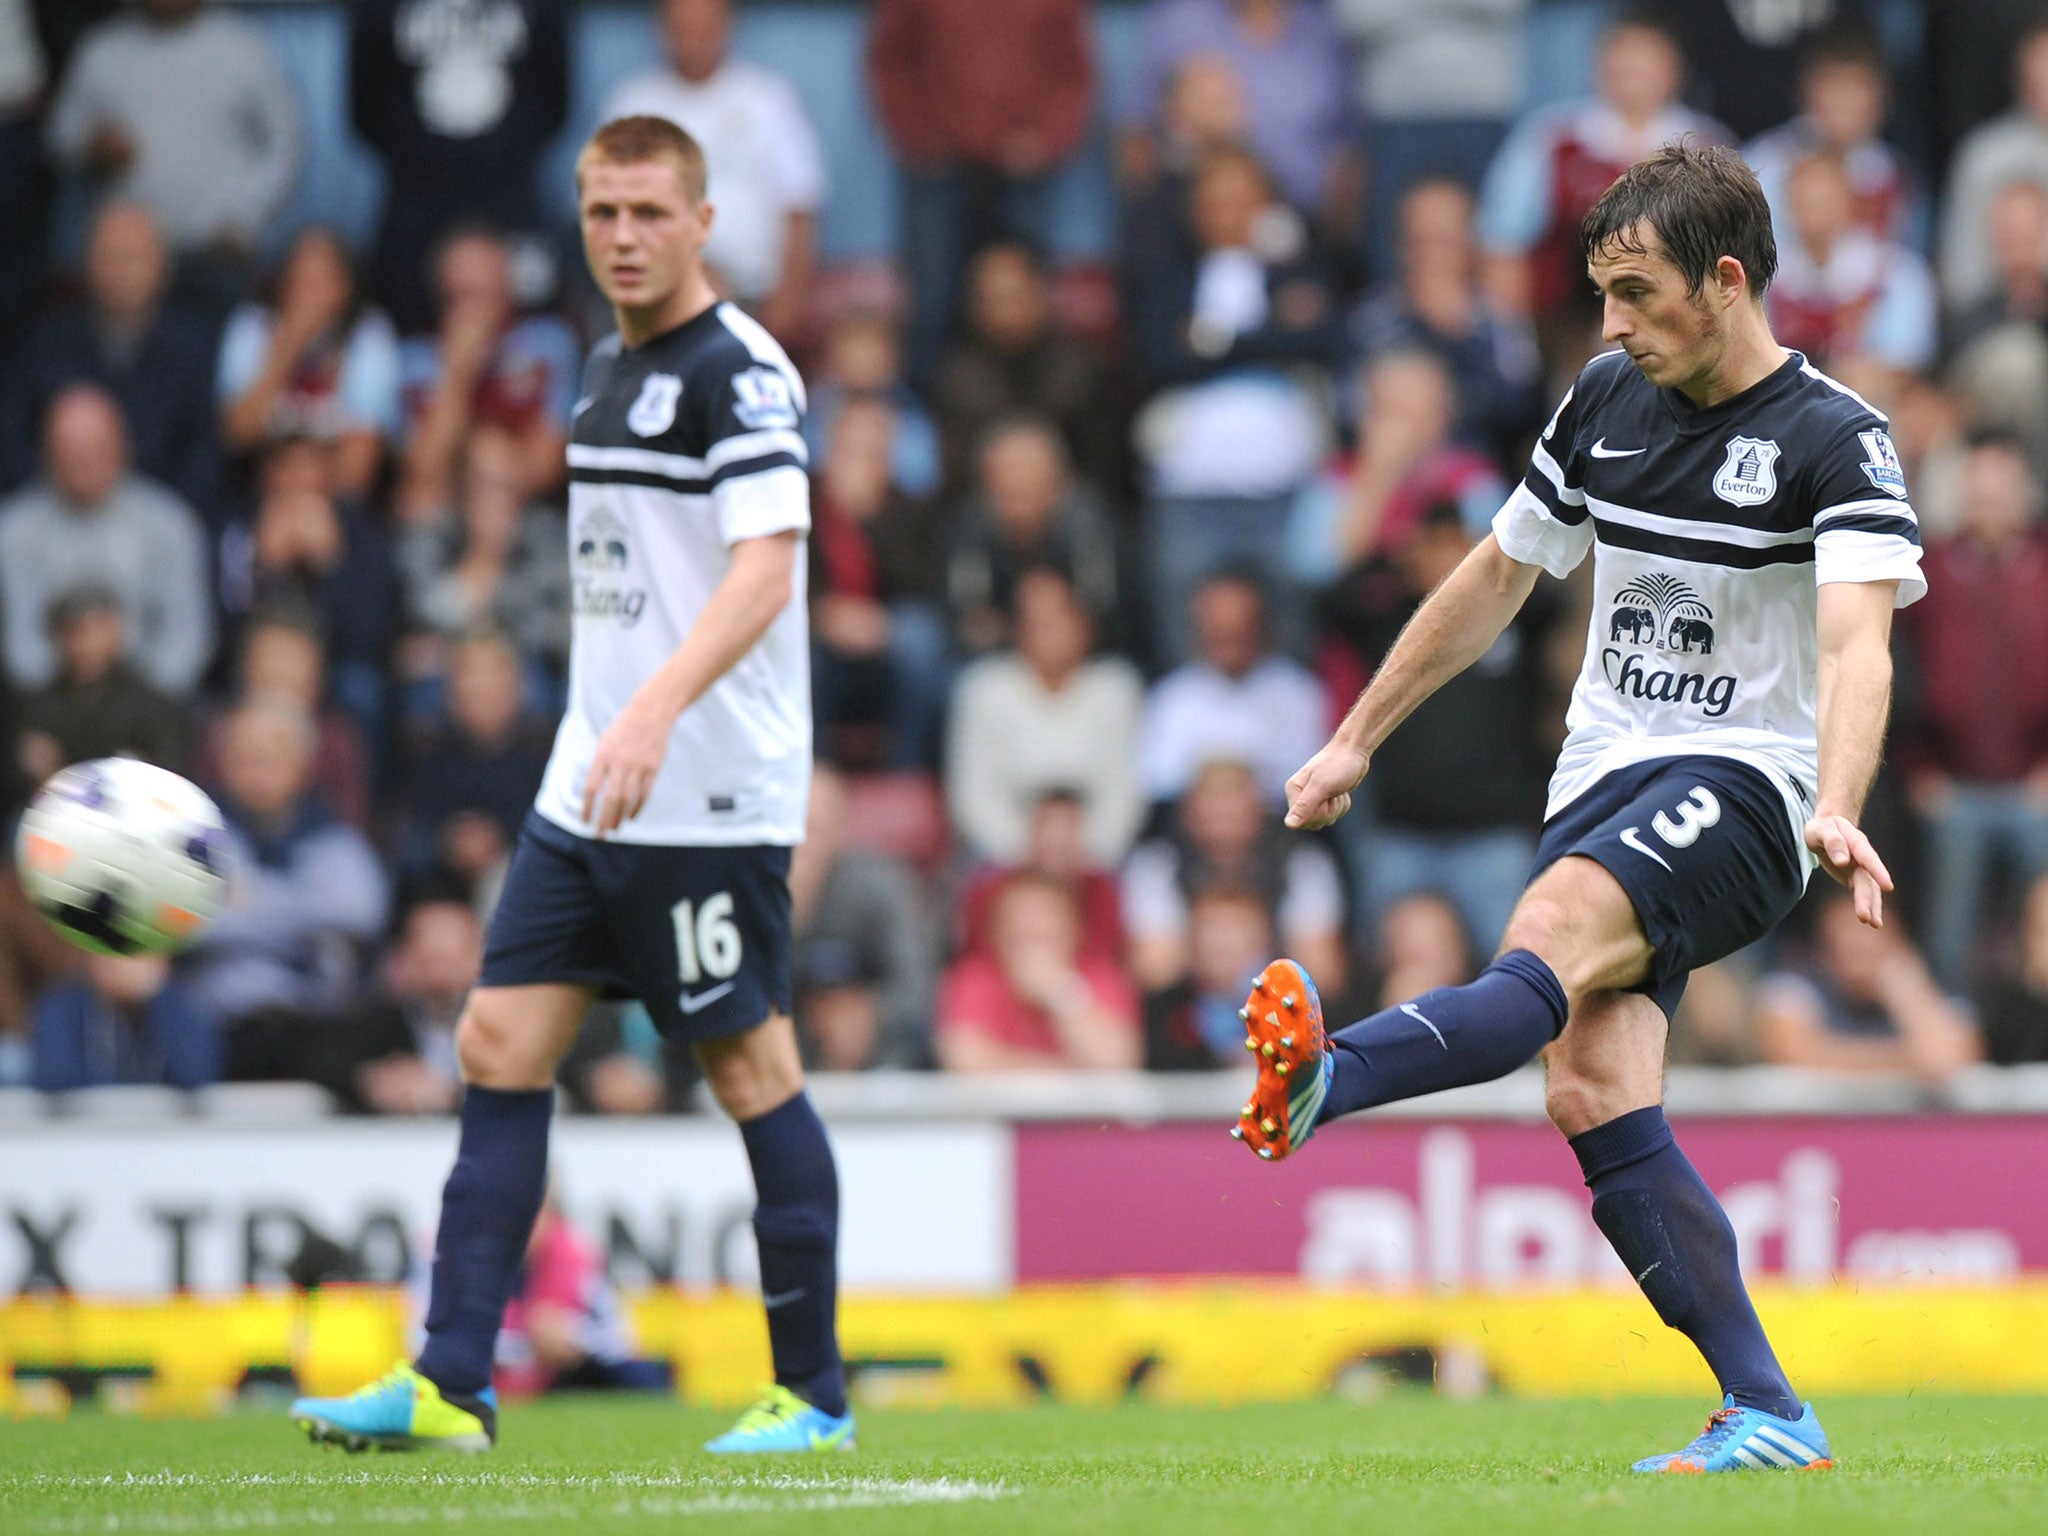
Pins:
<point x="700" y="935"/>
<point x="1704" y="849"/>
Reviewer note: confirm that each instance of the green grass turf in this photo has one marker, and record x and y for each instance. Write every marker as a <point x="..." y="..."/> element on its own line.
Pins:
<point x="1408" y="1463"/>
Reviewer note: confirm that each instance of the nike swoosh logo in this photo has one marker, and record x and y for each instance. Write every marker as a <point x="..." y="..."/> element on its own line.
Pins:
<point x="690" y="1002"/>
<point x="1628" y="835"/>
<point x="1600" y="450"/>
<point x="1414" y="1012"/>
<point x="784" y="1298"/>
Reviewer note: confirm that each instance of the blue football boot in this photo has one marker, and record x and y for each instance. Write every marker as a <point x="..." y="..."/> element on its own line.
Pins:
<point x="782" y="1422"/>
<point x="400" y="1411"/>
<point x="1283" y="1022"/>
<point x="1750" y="1440"/>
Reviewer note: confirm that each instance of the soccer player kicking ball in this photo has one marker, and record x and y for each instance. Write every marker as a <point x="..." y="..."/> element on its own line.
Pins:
<point x="656" y="860"/>
<point x="1751" y="538"/>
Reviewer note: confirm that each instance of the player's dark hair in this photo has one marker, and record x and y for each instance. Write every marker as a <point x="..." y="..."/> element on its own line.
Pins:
<point x="1703" y="203"/>
<point x="637" y="140"/>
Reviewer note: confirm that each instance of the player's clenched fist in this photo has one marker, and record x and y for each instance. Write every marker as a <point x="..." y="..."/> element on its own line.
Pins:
<point x="1320" y="791"/>
<point x="622" y="772"/>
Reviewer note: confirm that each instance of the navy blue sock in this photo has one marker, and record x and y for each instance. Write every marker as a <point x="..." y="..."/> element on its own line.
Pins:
<point x="487" y="1213"/>
<point x="796" y="1229"/>
<point x="1485" y="1029"/>
<point x="1672" y="1233"/>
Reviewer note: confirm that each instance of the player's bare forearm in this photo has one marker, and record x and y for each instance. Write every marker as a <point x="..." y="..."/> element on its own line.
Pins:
<point x="755" y="588"/>
<point x="1453" y="628"/>
<point x="1854" y="683"/>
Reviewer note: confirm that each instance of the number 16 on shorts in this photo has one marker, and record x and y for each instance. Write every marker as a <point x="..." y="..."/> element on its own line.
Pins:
<point x="707" y="939"/>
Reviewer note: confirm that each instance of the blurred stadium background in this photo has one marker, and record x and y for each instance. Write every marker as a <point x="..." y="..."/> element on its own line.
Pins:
<point x="1162" y="353"/>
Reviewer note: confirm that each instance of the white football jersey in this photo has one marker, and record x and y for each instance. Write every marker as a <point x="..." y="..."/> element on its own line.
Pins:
<point x="681" y="448"/>
<point x="1712" y="531"/>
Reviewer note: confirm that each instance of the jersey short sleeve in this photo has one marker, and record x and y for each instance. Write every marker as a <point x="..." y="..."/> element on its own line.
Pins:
<point x="1545" y="522"/>
<point x="757" y="457"/>
<point x="1864" y="529"/>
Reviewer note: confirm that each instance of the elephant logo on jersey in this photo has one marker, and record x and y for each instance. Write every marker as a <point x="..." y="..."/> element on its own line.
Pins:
<point x="1748" y="478"/>
<point x="654" y="409"/>
<point x="1662" y="613"/>
<point x="601" y="542"/>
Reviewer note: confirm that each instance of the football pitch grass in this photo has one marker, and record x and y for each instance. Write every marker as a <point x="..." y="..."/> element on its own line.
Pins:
<point x="1408" y="1463"/>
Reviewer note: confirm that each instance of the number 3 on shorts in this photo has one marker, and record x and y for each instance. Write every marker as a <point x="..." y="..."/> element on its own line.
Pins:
<point x="1698" y="811"/>
<point x="708" y="941"/>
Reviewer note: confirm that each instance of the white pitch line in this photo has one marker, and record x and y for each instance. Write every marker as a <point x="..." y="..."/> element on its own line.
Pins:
<point x="773" y="1495"/>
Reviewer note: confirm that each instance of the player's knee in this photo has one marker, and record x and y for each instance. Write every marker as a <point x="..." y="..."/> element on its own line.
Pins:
<point x="496" y="1053"/>
<point x="753" y="1073"/>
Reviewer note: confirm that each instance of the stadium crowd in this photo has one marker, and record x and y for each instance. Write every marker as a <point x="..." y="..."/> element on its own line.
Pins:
<point x="1100" y="546"/>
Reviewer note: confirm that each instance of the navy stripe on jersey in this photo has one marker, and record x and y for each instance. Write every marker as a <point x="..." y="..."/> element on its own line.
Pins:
<point x="1875" y="522"/>
<point x="1700" y="551"/>
<point x="1566" y="503"/>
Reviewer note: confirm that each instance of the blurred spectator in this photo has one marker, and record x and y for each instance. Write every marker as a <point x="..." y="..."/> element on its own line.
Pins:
<point x="1860" y="306"/>
<point x="2012" y="1011"/>
<point x="1011" y="360"/>
<point x="307" y="895"/>
<point x="863" y="962"/>
<point x="1557" y="162"/>
<point x="1224" y="329"/>
<point x="1037" y="1001"/>
<point x="1928" y="431"/>
<point x="1437" y="85"/>
<point x="312" y="359"/>
<point x="1437" y="305"/>
<point x="469" y="785"/>
<point x="395" y="1050"/>
<point x="459" y="99"/>
<point x="1045" y="716"/>
<point x="1749" y="59"/>
<point x="486" y="367"/>
<point x="1203" y="111"/>
<point x="282" y="652"/>
<point x="2018" y="295"/>
<point x="1844" y="94"/>
<point x="1291" y="66"/>
<point x="98" y="705"/>
<point x="1369" y="502"/>
<point x="767" y="167"/>
<point x="308" y="549"/>
<point x="1236" y="699"/>
<point x="491" y="557"/>
<point x="153" y="355"/>
<point x="565" y="1328"/>
<point x="862" y="356"/>
<point x="124" y="1020"/>
<point x="982" y="101"/>
<point x="2012" y="147"/>
<point x="1441" y="817"/>
<point x="880" y="652"/>
<point x="185" y="109"/>
<point x="1419" y="944"/>
<point x="25" y="76"/>
<point x="1866" y="1004"/>
<point x="1193" y="1025"/>
<point x="89" y="521"/>
<point x="1026" y="509"/>
<point x="1975" y="735"/>
<point x="1055" y="847"/>
<point x="34" y="957"/>
<point x="1227" y="834"/>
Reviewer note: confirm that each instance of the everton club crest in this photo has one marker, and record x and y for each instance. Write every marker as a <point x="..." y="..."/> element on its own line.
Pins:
<point x="654" y="410"/>
<point x="1748" y="478"/>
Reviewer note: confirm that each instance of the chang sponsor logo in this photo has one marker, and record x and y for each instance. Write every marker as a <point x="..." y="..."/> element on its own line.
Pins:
<point x="599" y="549"/>
<point x="1664" y="617"/>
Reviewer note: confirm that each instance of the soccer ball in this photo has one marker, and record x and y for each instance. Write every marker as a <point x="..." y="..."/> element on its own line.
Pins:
<point x="125" y="858"/>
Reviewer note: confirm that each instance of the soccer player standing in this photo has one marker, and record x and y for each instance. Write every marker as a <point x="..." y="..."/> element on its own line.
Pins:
<point x="655" y="862"/>
<point x="1751" y="538"/>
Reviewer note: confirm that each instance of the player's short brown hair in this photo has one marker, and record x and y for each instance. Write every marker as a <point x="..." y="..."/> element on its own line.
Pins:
<point x="637" y="140"/>
<point x="1703" y="202"/>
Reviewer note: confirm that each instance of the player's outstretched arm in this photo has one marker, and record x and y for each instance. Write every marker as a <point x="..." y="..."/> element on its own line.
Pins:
<point x="755" y="588"/>
<point x="1855" y="683"/>
<point x="1452" y="629"/>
